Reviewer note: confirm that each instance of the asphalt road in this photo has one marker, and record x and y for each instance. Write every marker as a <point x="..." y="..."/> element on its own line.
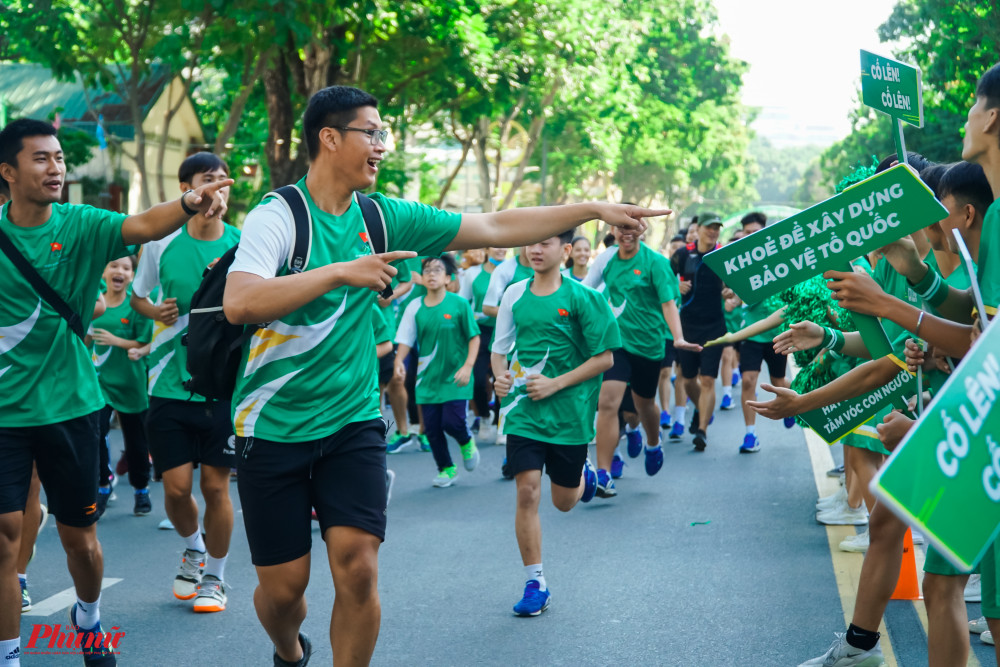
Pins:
<point x="717" y="560"/>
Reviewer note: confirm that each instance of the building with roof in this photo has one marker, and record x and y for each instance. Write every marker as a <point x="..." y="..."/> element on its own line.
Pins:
<point x="29" y="90"/>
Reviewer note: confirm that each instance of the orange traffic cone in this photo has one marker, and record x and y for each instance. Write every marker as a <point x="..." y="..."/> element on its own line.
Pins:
<point x="906" y="587"/>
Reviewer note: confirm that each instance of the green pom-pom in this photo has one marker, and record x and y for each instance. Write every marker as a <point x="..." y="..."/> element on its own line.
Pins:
<point x="860" y="173"/>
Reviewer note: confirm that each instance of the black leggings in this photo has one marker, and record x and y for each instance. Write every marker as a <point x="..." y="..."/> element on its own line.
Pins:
<point x="136" y="447"/>
<point x="482" y="375"/>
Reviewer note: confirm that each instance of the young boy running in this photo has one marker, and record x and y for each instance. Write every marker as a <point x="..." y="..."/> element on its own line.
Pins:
<point x="123" y="381"/>
<point x="559" y="338"/>
<point x="49" y="392"/>
<point x="186" y="430"/>
<point x="440" y="325"/>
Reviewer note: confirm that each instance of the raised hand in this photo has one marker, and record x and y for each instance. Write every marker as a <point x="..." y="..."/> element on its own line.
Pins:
<point x="208" y="199"/>
<point x="800" y="336"/>
<point x="784" y="404"/>
<point x="374" y="271"/>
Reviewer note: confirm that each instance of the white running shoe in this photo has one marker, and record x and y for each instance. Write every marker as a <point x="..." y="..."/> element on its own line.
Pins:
<point x="501" y="440"/>
<point x="842" y="654"/>
<point x="165" y="525"/>
<point x="189" y="574"/>
<point x="978" y="626"/>
<point x="831" y="501"/>
<point x="211" y="595"/>
<point x="974" y="589"/>
<point x="844" y="516"/>
<point x="987" y="638"/>
<point x="855" y="543"/>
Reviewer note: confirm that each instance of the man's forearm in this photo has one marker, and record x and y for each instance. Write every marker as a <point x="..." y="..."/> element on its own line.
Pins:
<point x="520" y="226"/>
<point x="142" y="305"/>
<point x="250" y="299"/>
<point x="588" y="369"/>
<point x="673" y="320"/>
<point x="858" y="381"/>
<point x="154" y="223"/>
<point x="950" y="338"/>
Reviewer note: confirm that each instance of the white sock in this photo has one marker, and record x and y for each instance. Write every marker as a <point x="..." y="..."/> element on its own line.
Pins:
<point x="88" y="614"/>
<point x="535" y="572"/>
<point x="22" y="577"/>
<point x="216" y="567"/>
<point x="629" y="429"/>
<point x="680" y="413"/>
<point x="652" y="447"/>
<point x="727" y="391"/>
<point x="751" y="429"/>
<point x="196" y="541"/>
<point x="10" y="652"/>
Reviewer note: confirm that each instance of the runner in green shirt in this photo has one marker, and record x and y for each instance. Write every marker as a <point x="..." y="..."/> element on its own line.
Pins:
<point x="440" y="326"/>
<point x="49" y="392"/>
<point x="184" y="429"/>
<point x="123" y="382"/>
<point x="307" y="383"/>
<point x="554" y="338"/>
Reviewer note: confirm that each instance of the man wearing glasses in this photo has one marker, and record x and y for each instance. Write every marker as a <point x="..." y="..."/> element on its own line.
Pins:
<point x="305" y="408"/>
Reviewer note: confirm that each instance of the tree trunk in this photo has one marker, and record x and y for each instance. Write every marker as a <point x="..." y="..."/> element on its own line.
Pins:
<point x="250" y="77"/>
<point x="466" y="145"/>
<point x="534" y="132"/>
<point x="280" y="121"/>
<point x="480" y="146"/>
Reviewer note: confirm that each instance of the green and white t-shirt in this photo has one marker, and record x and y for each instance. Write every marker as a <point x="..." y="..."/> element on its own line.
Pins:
<point x="896" y="285"/>
<point x="176" y="265"/>
<point x="474" y="283"/>
<point x="636" y="289"/>
<point x="509" y="271"/>
<point x="551" y="335"/>
<point x="441" y="337"/>
<point x="312" y="372"/>
<point x="988" y="262"/>
<point x="46" y="372"/>
<point x="381" y="325"/>
<point x="123" y="381"/>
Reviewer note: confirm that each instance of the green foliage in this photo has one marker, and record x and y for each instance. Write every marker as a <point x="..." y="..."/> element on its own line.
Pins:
<point x="782" y="172"/>
<point x="77" y="147"/>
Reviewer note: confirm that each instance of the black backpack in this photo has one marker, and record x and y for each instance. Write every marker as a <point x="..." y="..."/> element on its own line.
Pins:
<point x="214" y="345"/>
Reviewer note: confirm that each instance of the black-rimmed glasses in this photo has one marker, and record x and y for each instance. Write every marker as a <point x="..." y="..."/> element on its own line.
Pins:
<point x="377" y="136"/>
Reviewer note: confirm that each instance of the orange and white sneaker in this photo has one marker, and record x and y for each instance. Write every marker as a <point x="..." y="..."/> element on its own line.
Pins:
<point x="211" y="595"/>
<point x="189" y="574"/>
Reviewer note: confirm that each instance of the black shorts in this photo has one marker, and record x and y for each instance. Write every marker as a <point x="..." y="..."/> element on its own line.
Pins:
<point x="642" y="373"/>
<point x="195" y="432"/>
<point x="386" y="367"/>
<point x="341" y="476"/>
<point x="670" y="355"/>
<point x="705" y="362"/>
<point x="66" y="455"/>
<point x="563" y="463"/>
<point x="752" y="353"/>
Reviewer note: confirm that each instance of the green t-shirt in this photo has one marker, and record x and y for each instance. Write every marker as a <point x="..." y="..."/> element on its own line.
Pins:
<point x="475" y="282"/>
<point x="734" y="318"/>
<point x="637" y="288"/>
<point x="312" y="372"/>
<point x="551" y="335"/>
<point x="176" y="264"/>
<point x="895" y="284"/>
<point x="988" y="263"/>
<point x="383" y="329"/>
<point x="122" y="380"/>
<point x="46" y="372"/>
<point x="441" y="336"/>
<point x="753" y="313"/>
<point x="507" y="273"/>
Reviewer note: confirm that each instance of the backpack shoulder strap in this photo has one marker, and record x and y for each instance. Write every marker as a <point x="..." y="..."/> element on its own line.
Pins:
<point x="374" y="223"/>
<point x="43" y="289"/>
<point x="295" y="202"/>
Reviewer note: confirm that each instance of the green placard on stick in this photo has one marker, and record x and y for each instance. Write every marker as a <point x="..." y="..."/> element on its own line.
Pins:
<point x="892" y="87"/>
<point x="944" y="477"/>
<point x="827" y="236"/>
<point x="833" y="422"/>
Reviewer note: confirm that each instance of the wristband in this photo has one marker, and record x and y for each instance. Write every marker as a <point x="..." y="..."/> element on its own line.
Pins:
<point x="827" y="338"/>
<point x="931" y="288"/>
<point x="188" y="209"/>
<point x="837" y="340"/>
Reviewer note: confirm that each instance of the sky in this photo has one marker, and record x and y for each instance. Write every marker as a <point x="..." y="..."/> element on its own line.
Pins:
<point x="804" y="61"/>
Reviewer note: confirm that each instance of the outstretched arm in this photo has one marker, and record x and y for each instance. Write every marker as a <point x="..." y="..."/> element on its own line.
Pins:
<point x="162" y="219"/>
<point x="766" y="324"/>
<point x="524" y="226"/>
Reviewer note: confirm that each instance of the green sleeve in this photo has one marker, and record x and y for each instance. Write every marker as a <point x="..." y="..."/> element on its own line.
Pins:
<point x="382" y="331"/>
<point x="597" y="324"/>
<point x="418" y="227"/>
<point x="105" y="230"/>
<point x="143" y="328"/>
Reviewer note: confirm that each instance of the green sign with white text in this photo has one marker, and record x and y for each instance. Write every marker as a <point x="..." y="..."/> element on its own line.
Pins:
<point x="833" y="422"/>
<point x="827" y="236"/>
<point x="892" y="87"/>
<point x="944" y="477"/>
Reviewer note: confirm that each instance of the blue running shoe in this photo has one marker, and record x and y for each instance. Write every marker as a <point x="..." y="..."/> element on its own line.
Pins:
<point x="94" y="644"/>
<point x="654" y="460"/>
<point x="535" y="600"/>
<point x="750" y="444"/>
<point x="736" y="378"/>
<point x="589" y="482"/>
<point x="401" y="443"/>
<point x="664" y="419"/>
<point x="605" y="485"/>
<point x="505" y="470"/>
<point x="617" y="465"/>
<point x="634" y="440"/>
<point x="789" y="422"/>
<point x="727" y="403"/>
<point x="676" y="431"/>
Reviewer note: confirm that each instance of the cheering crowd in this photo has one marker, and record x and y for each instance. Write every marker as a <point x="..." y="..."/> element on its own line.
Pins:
<point x="420" y="314"/>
